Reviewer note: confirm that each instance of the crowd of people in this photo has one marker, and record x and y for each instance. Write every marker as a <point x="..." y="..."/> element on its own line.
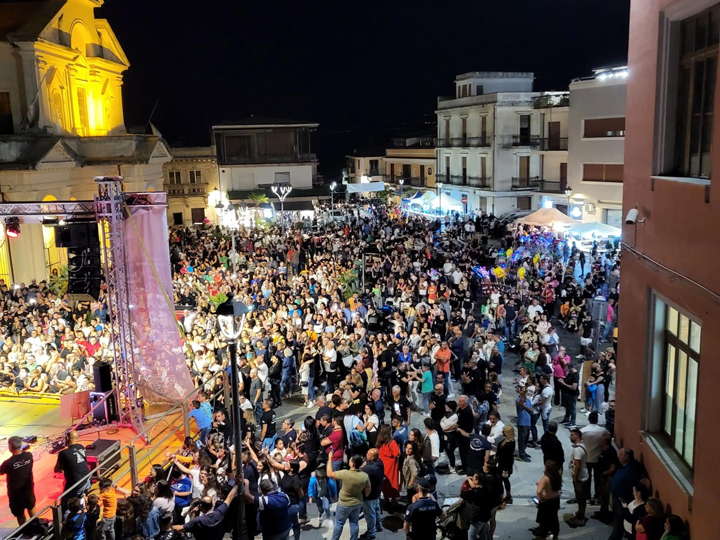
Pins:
<point x="375" y="322"/>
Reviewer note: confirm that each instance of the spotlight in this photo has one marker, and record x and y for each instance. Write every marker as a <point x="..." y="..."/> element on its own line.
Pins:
<point x="12" y="227"/>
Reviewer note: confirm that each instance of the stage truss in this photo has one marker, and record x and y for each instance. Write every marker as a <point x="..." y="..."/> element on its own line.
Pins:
<point x="109" y="210"/>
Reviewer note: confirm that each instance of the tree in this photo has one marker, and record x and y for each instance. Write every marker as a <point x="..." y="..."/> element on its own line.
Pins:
<point x="258" y="198"/>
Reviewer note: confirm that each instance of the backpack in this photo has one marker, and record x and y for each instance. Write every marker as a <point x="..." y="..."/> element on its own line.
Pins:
<point x="357" y="438"/>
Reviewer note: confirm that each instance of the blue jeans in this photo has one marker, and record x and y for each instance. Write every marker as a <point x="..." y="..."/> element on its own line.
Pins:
<point x="269" y="442"/>
<point x="510" y="330"/>
<point x="446" y="382"/>
<point x="533" y="427"/>
<point x="311" y="388"/>
<point x="373" y="516"/>
<point x="342" y="514"/>
<point x="203" y="435"/>
<point x="293" y="513"/>
<point x="478" y="531"/>
<point x="323" y="504"/>
<point x="608" y="330"/>
<point x="545" y="416"/>
<point x="258" y="411"/>
<point x="286" y="386"/>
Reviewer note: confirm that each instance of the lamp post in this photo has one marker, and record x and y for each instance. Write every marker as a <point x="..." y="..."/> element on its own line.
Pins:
<point x="439" y="187"/>
<point x="568" y="194"/>
<point x="281" y="191"/>
<point x="233" y="225"/>
<point x="228" y="314"/>
<point x="401" y="181"/>
<point x="332" y="197"/>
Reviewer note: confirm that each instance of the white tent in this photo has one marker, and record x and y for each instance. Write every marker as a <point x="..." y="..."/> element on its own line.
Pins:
<point x="447" y="203"/>
<point x="595" y="228"/>
<point x="365" y="188"/>
<point x="548" y="217"/>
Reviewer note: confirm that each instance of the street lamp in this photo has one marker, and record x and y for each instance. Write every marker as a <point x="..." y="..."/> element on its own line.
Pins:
<point x="568" y="194"/>
<point x="439" y="187"/>
<point x="231" y="320"/>
<point x="232" y="223"/>
<point x="332" y="196"/>
<point x="281" y="191"/>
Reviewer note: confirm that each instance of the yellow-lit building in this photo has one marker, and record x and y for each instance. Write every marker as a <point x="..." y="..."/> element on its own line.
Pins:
<point x="61" y="119"/>
<point x="190" y="177"/>
<point x="413" y="160"/>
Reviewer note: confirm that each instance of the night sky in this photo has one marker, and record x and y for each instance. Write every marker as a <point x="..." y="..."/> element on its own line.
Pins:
<point x="356" y="67"/>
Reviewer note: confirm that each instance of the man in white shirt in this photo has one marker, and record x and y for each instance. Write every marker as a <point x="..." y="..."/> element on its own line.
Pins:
<point x="432" y="434"/>
<point x="592" y="436"/>
<point x="579" y="473"/>
<point x="545" y="403"/>
<point x="534" y="309"/>
<point x="457" y="276"/>
<point x="496" y="430"/>
<point x="330" y="364"/>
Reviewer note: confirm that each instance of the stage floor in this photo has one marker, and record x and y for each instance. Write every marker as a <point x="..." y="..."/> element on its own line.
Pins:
<point x="18" y="417"/>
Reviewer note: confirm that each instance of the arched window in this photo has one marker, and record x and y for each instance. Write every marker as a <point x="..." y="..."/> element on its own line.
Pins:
<point x="58" y="111"/>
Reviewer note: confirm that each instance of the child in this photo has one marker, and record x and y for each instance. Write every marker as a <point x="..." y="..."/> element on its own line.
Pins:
<point x="108" y="500"/>
<point x="92" y="516"/>
<point x="324" y="490"/>
<point x="74" y="526"/>
<point x="181" y="485"/>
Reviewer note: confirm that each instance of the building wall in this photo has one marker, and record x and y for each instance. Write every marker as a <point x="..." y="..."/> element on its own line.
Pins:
<point x="681" y="234"/>
<point x="244" y="177"/>
<point x="186" y="196"/>
<point x="595" y="99"/>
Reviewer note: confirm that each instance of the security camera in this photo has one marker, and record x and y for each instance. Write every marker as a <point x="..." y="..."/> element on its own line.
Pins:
<point x="632" y="216"/>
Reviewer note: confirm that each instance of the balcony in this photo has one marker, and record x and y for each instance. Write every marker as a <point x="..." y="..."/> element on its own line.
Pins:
<point x="187" y="190"/>
<point x="525" y="182"/>
<point x="458" y="180"/>
<point x="443" y="143"/>
<point x="479" y="142"/>
<point x="459" y="141"/>
<point x="442" y="178"/>
<point x="552" y="186"/>
<point x="479" y="181"/>
<point x="551" y="144"/>
<point x="525" y="140"/>
<point x="412" y="181"/>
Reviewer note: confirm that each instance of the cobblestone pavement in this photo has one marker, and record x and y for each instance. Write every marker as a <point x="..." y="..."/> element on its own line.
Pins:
<point x="514" y="521"/>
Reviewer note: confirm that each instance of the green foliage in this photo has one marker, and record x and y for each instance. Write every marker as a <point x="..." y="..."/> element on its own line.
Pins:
<point x="348" y="282"/>
<point x="218" y="299"/>
<point x="58" y="284"/>
<point x="299" y="226"/>
<point x="258" y="198"/>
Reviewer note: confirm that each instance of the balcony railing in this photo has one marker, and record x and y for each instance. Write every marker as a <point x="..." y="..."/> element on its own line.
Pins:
<point x="442" y="178"/>
<point x="185" y="190"/>
<point x="458" y="180"/>
<point x="525" y="182"/>
<point x="479" y="142"/>
<point x="553" y="186"/>
<point x="459" y="141"/>
<point x="550" y="101"/>
<point x="412" y="181"/>
<point x="549" y="144"/>
<point x="443" y="142"/>
<point x="525" y="140"/>
<point x="479" y="181"/>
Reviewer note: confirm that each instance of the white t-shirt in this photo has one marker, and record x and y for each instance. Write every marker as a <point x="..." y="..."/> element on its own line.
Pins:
<point x="435" y="445"/>
<point x="373" y="419"/>
<point x="592" y="435"/>
<point x="579" y="453"/>
<point x="534" y="310"/>
<point x="548" y="394"/>
<point x="330" y="355"/>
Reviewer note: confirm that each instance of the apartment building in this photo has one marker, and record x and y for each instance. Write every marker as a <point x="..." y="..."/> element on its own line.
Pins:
<point x="487" y="133"/>
<point x="669" y="329"/>
<point x="190" y="177"/>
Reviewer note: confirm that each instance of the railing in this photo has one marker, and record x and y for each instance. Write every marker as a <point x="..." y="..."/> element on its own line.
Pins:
<point x="550" y="101"/>
<point x="443" y="178"/>
<point x="457" y="179"/>
<point x="525" y="182"/>
<point x="479" y="142"/>
<point x="553" y="186"/>
<point x="479" y="181"/>
<point x="415" y="181"/>
<point x="459" y="141"/>
<point x="525" y="140"/>
<point x="181" y="190"/>
<point x="129" y="466"/>
<point x="443" y="142"/>
<point x="553" y="143"/>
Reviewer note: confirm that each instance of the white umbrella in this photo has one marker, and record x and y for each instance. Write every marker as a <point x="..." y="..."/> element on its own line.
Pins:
<point x="548" y="217"/>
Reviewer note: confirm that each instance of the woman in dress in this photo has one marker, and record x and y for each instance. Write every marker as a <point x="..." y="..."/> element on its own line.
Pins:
<point x="505" y="460"/>
<point x="548" y="494"/>
<point x="389" y="454"/>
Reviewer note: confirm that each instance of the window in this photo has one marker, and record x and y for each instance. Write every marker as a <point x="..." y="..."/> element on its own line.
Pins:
<point x="197" y="215"/>
<point x="6" y="121"/>
<point x="479" y="90"/>
<point x="82" y="111"/>
<point x="597" y="128"/>
<point x="238" y="146"/>
<point x="195" y="177"/>
<point x="602" y="172"/>
<point x="523" y="203"/>
<point x="175" y="177"/>
<point x="679" y="361"/>
<point x="177" y="218"/>
<point x="696" y="92"/>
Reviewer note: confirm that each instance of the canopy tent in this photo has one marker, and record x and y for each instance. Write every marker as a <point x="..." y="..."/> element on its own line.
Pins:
<point x="595" y="228"/>
<point x="548" y="217"/>
<point x="416" y="195"/>
<point x="365" y="188"/>
<point x="447" y="203"/>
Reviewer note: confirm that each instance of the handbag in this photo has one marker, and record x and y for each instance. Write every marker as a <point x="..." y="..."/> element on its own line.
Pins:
<point x="304" y="384"/>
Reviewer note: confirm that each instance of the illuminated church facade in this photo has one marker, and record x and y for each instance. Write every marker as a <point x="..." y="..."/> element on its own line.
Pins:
<point x="61" y="120"/>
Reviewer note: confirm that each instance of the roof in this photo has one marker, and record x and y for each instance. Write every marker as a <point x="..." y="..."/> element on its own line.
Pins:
<point x="265" y="121"/>
<point x="24" y="21"/>
<point x="496" y="75"/>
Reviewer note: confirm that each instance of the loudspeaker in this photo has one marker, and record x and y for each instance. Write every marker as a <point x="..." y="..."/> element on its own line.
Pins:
<point x="107" y="411"/>
<point x="83" y="251"/>
<point x="103" y="377"/>
<point x="76" y="235"/>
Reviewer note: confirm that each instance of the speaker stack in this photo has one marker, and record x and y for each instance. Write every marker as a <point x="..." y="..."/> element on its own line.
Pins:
<point x="108" y="411"/>
<point x="83" y="250"/>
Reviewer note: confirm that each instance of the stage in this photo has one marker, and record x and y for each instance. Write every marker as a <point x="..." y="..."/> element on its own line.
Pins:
<point x="25" y="417"/>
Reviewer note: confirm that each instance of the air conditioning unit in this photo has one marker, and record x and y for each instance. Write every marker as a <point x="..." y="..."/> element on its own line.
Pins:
<point x="590" y="209"/>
